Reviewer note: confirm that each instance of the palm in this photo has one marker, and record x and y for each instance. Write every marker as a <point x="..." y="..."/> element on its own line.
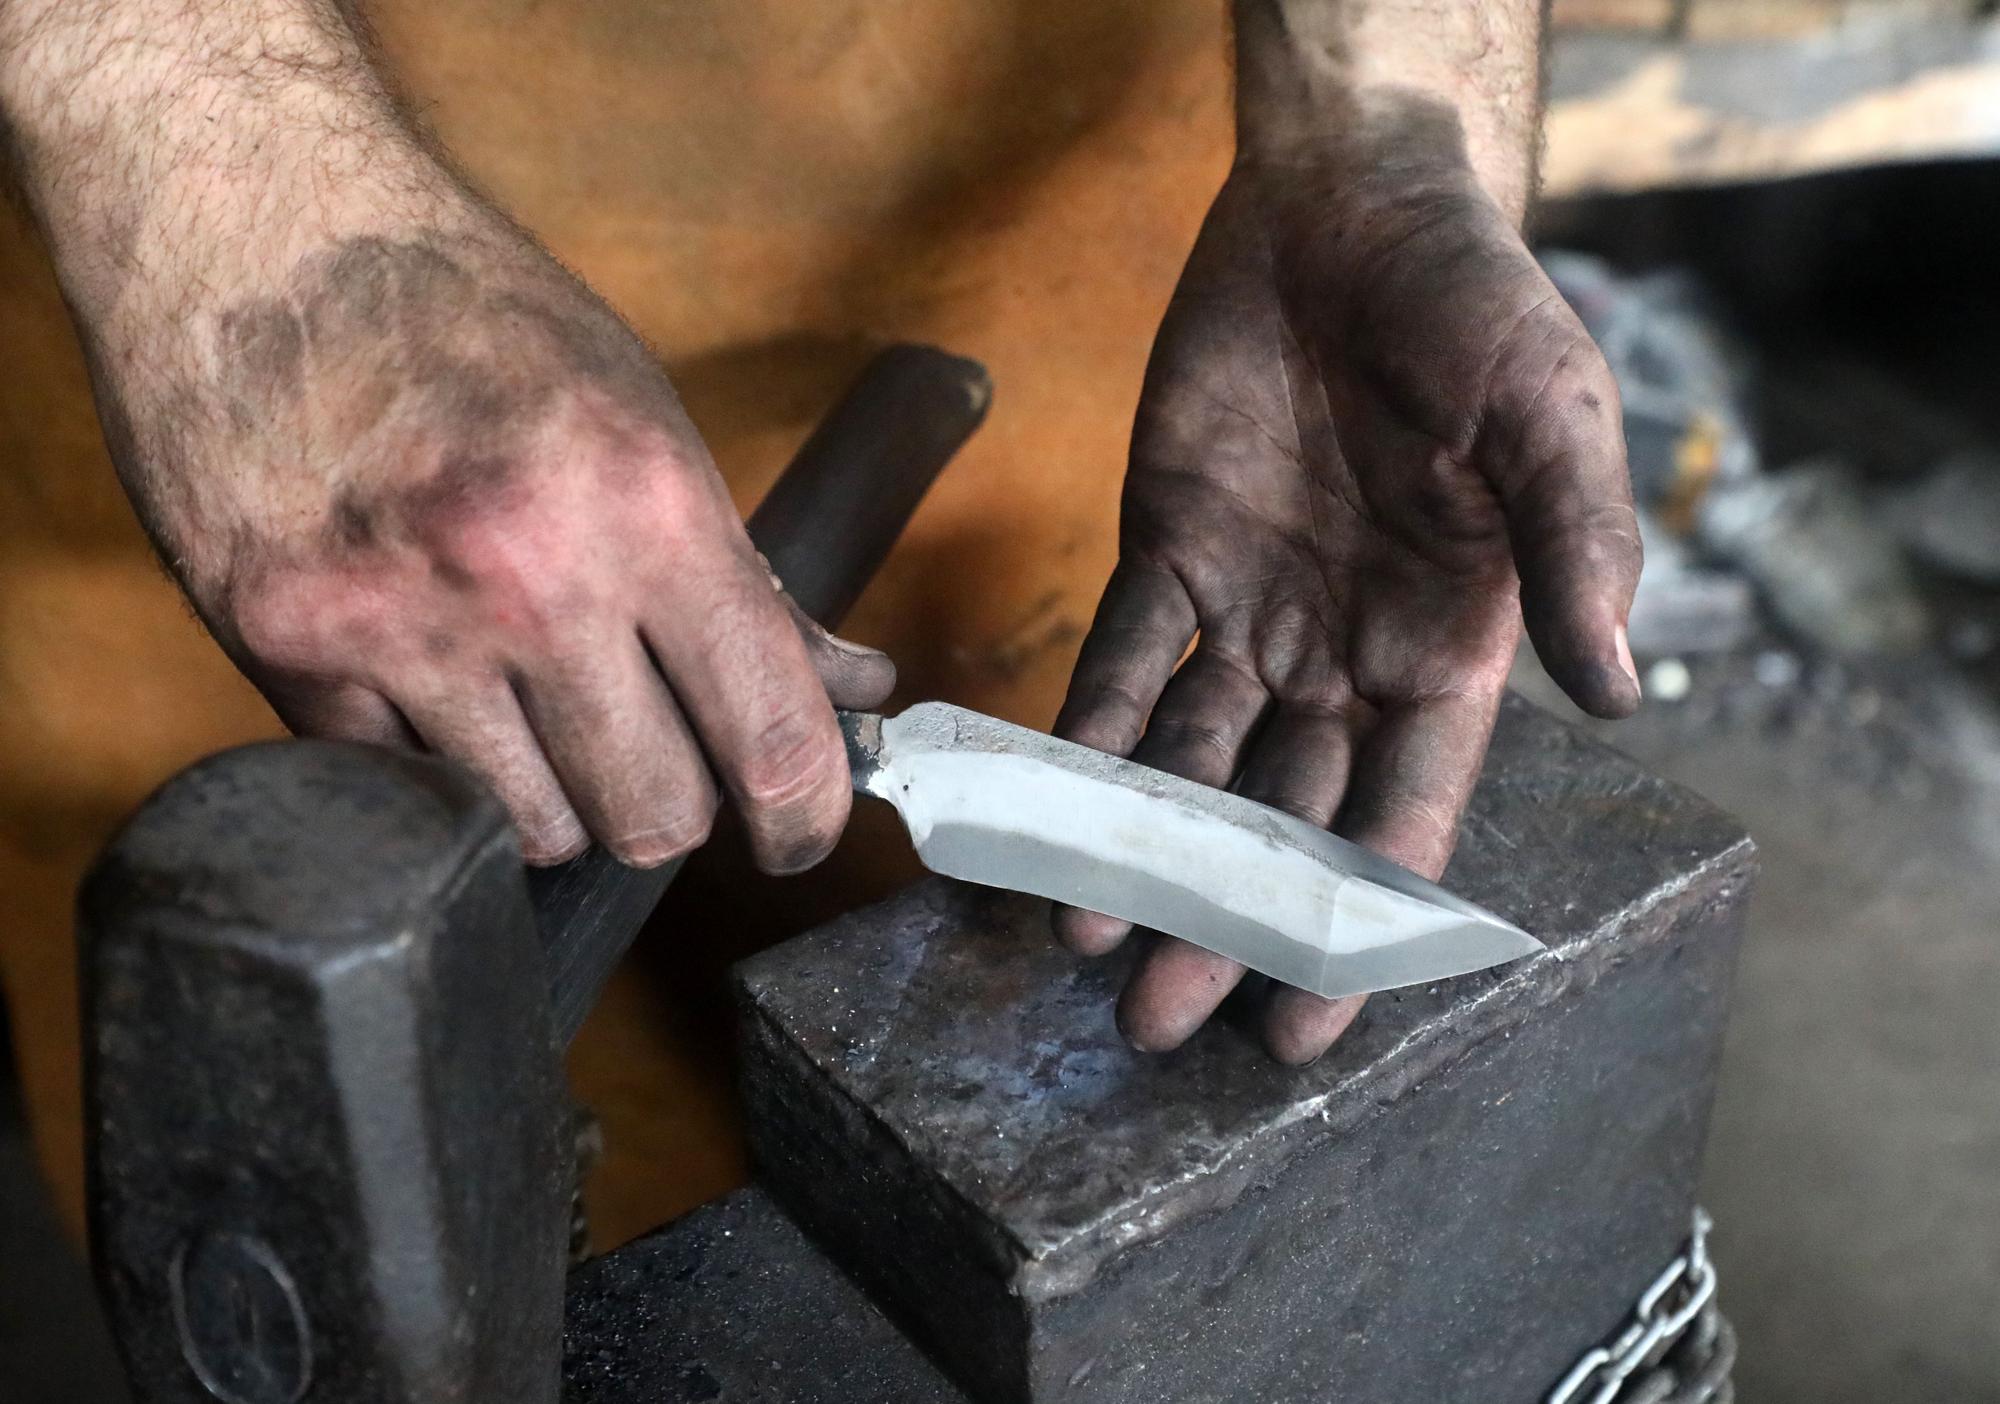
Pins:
<point x="1324" y="510"/>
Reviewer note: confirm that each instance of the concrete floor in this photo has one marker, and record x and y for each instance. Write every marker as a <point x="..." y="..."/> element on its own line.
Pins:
<point x="1854" y="1168"/>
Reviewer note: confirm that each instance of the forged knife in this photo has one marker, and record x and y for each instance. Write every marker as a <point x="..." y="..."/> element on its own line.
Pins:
<point x="998" y="804"/>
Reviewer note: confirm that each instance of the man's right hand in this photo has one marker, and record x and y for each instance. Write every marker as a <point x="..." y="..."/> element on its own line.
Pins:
<point x="436" y="490"/>
<point x="419" y="481"/>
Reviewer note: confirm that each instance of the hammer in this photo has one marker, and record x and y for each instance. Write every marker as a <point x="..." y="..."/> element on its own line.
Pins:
<point x="325" y="1009"/>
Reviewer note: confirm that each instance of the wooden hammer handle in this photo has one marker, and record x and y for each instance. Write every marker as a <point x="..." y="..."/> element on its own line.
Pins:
<point x="826" y="526"/>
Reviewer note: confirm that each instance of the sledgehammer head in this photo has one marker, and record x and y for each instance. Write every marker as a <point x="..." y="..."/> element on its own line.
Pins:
<point x="279" y="938"/>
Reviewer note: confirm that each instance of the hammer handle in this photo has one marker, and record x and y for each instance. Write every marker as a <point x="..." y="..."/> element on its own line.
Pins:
<point x="826" y="526"/>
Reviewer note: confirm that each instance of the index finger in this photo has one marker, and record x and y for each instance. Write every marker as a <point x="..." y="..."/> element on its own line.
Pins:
<point x="724" y="638"/>
<point x="1143" y="625"/>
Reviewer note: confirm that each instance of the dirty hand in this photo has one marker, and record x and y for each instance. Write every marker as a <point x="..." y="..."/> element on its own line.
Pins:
<point x="1371" y="433"/>
<point x="418" y="480"/>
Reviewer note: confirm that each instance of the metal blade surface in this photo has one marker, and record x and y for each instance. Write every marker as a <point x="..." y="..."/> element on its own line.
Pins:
<point x="1001" y="805"/>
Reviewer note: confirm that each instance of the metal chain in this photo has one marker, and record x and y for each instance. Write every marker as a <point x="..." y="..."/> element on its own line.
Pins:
<point x="1678" y="1349"/>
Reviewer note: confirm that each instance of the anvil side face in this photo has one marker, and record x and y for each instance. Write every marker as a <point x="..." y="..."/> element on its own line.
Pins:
<point x="998" y="804"/>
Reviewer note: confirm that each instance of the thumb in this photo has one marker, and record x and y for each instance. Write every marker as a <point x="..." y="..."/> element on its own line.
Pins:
<point x="854" y="675"/>
<point x="1556" y="458"/>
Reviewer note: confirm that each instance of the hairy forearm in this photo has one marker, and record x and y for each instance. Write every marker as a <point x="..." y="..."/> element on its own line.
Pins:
<point x="169" y="145"/>
<point x="1396" y="86"/>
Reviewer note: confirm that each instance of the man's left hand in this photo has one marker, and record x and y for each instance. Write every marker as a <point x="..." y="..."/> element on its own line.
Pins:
<point x="1371" y="431"/>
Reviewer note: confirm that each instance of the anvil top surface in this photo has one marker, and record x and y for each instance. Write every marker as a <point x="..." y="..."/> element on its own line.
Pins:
<point x="949" y="1014"/>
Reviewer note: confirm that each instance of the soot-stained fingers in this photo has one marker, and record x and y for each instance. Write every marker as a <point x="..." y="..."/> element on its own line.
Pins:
<point x="1299" y="1026"/>
<point x="1196" y="730"/>
<point x="1297" y="762"/>
<point x="1411" y="780"/>
<point x="1205" y="716"/>
<point x="1143" y="625"/>
<point x="1413" y="775"/>
<point x="742" y="676"/>
<point x="1176" y="988"/>
<point x="477" y="720"/>
<point x="854" y="675"/>
<point x="623" y="753"/>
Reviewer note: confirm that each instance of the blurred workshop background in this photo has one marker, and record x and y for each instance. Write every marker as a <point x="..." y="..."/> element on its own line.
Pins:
<point x="1779" y="216"/>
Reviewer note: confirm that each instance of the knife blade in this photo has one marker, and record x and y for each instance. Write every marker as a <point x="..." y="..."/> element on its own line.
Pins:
<point x="998" y="804"/>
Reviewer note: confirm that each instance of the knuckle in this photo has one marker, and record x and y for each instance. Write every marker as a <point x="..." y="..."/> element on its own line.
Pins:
<point x="524" y="572"/>
<point x="1194" y="742"/>
<point x="1106" y="715"/>
<point x="1558" y="403"/>
<point x="1418" y="833"/>
<point x="1614" y="539"/>
<point x="547" y="841"/>
<point x="1595" y="540"/>
<point x="295" y="622"/>
<point x="795" y="795"/>
<point x="679" y="486"/>
<point x="789" y="766"/>
<point x="680" y="835"/>
<point x="670" y="494"/>
<point x="505" y="561"/>
<point x="1576" y="512"/>
<point x="273" y="634"/>
<point x="1312" y="808"/>
<point x="1428" y="818"/>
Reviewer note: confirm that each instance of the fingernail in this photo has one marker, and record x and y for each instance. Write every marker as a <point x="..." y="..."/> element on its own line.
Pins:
<point x="1625" y="660"/>
<point x="1118" y="1022"/>
<point x="553" y="847"/>
<point x="1140" y="1045"/>
<point x="853" y="649"/>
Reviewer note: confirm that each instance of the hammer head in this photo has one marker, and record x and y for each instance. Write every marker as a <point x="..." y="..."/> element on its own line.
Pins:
<point x="311" y="970"/>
